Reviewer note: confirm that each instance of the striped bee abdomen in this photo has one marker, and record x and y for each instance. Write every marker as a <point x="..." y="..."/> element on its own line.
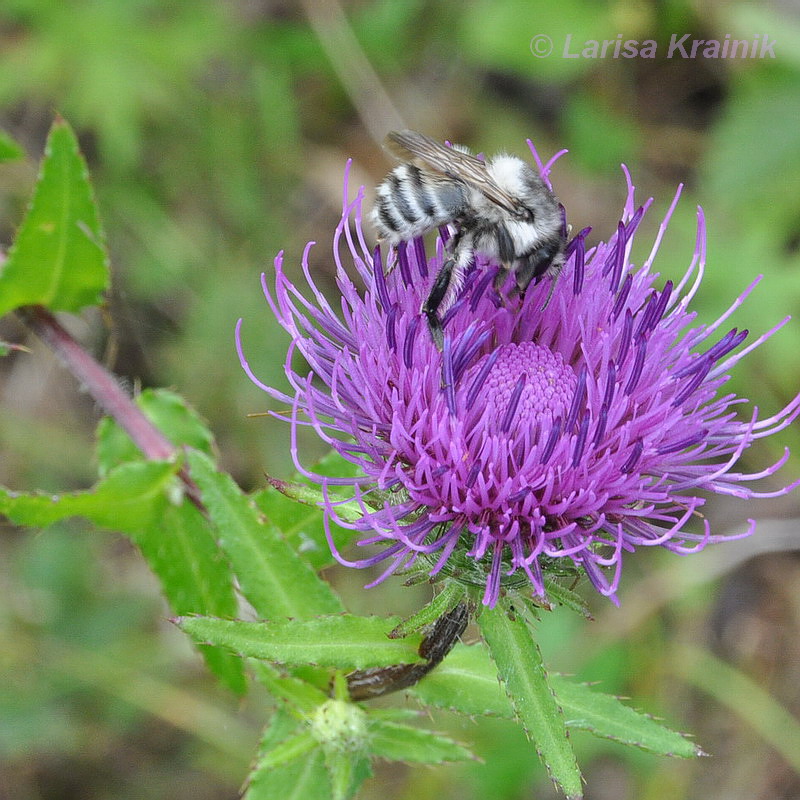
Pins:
<point x="411" y="202"/>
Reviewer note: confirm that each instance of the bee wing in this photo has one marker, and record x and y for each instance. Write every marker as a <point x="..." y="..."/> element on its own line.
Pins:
<point x="454" y="164"/>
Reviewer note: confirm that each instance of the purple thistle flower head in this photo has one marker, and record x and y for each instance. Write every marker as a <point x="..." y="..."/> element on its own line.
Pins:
<point x="538" y="440"/>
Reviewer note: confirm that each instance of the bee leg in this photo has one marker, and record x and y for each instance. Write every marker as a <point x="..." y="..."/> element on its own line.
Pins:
<point x="430" y="307"/>
<point x="500" y="278"/>
<point x="524" y="273"/>
<point x="550" y="293"/>
<point x="535" y="267"/>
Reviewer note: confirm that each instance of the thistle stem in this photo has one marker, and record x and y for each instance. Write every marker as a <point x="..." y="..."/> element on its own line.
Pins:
<point x="105" y="390"/>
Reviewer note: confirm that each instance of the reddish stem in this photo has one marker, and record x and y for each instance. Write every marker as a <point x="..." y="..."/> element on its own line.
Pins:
<point x="106" y="391"/>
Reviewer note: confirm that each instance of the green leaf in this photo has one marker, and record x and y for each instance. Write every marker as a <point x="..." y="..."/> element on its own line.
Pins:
<point x="608" y="717"/>
<point x="288" y="750"/>
<point x="301" y="779"/>
<point x="342" y="641"/>
<point x="399" y="742"/>
<point x="180" y="549"/>
<point x="346" y="772"/>
<point x="176" y="541"/>
<point x="445" y="601"/>
<point x="313" y="496"/>
<point x="393" y="714"/>
<point x="520" y="667"/>
<point x="303" y="524"/>
<point x="169" y="412"/>
<point x="341" y="767"/>
<point x="304" y="779"/>
<point x="559" y="593"/>
<point x="9" y="149"/>
<point x="298" y="693"/>
<point x="58" y="258"/>
<point x="467" y="682"/>
<point x="128" y="498"/>
<point x="272" y="576"/>
<point x="280" y="727"/>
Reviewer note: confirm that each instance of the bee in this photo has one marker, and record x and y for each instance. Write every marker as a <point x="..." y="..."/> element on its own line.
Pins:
<point x="501" y="207"/>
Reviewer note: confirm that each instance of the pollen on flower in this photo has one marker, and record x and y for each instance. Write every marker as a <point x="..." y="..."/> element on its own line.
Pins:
<point x="542" y="436"/>
<point x="526" y="381"/>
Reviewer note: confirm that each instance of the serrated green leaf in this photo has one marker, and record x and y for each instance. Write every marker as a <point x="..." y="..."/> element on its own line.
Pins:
<point x="520" y="667"/>
<point x="127" y="499"/>
<point x="279" y="728"/>
<point x="313" y="496"/>
<point x="298" y="693"/>
<point x="175" y="541"/>
<point x="180" y="549"/>
<point x="467" y="682"/>
<point x="361" y="771"/>
<point x="445" y="601"/>
<point x="343" y="641"/>
<point x="566" y="597"/>
<point x="9" y="149"/>
<point x="346" y="772"/>
<point x="341" y="767"/>
<point x="272" y="576"/>
<point x="114" y="446"/>
<point x="609" y="718"/>
<point x="58" y="258"/>
<point x="169" y="412"/>
<point x="302" y="779"/>
<point x="398" y="742"/>
<point x="288" y="750"/>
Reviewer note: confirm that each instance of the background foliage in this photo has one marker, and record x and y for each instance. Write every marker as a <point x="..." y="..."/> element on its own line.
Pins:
<point x="216" y="136"/>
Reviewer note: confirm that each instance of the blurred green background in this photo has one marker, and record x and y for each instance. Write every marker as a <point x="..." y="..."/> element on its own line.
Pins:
<point x="216" y="134"/>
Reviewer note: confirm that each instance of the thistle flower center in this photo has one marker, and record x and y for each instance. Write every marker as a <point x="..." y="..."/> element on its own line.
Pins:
<point x="528" y="381"/>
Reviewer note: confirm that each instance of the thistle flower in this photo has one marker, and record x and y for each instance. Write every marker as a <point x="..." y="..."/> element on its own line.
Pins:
<point x="538" y="441"/>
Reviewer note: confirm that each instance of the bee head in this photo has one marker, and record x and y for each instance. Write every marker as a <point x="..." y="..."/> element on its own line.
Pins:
<point x="545" y="260"/>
